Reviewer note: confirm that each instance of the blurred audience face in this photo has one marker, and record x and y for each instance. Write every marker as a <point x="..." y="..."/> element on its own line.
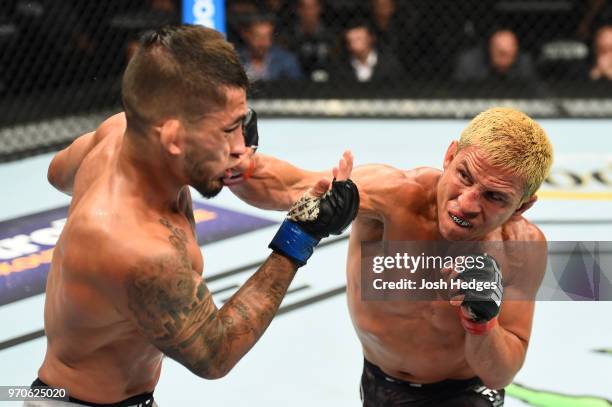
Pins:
<point x="359" y="42"/>
<point x="383" y="10"/>
<point x="258" y="37"/>
<point x="603" y="41"/>
<point x="603" y="54"/>
<point x="503" y="50"/>
<point x="309" y="13"/>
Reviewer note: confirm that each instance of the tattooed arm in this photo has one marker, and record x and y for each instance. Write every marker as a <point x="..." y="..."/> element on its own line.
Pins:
<point x="173" y="308"/>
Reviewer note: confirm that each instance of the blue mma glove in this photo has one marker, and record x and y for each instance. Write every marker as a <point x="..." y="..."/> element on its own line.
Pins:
<point x="312" y="218"/>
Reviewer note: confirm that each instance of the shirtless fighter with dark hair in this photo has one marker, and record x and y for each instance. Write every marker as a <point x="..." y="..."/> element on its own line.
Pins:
<point x="125" y="285"/>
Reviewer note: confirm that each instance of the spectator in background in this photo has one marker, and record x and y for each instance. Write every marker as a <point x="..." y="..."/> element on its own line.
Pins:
<point x="262" y="59"/>
<point x="603" y="54"/>
<point x="397" y="30"/>
<point x="239" y="14"/>
<point x="385" y="22"/>
<point x="280" y="9"/>
<point x="597" y="12"/>
<point x="502" y="60"/>
<point x="310" y="39"/>
<point x="363" y="61"/>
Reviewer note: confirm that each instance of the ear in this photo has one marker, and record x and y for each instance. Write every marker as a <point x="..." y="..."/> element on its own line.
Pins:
<point x="525" y="205"/>
<point x="451" y="152"/>
<point x="171" y="137"/>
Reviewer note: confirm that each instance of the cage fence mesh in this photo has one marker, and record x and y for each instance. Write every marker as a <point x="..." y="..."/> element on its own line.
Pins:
<point x="61" y="60"/>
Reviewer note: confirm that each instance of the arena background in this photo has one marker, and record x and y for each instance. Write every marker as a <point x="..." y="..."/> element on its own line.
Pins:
<point x="60" y="68"/>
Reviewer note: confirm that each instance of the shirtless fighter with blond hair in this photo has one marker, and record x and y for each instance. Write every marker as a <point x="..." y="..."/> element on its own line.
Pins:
<point x="125" y="286"/>
<point x="421" y="353"/>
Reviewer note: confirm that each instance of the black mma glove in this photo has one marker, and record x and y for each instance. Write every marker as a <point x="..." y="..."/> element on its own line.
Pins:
<point x="249" y="130"/>
<point x="483" y="305"/>
<point x="312" y="218"/>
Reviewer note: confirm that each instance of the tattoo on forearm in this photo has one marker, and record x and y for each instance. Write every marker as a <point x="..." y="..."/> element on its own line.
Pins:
<point x="176" y="310"/>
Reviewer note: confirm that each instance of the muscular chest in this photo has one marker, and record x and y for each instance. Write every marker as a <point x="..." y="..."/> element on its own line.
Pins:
<point x="398" y="226"/>
<point x="404" y="225"/>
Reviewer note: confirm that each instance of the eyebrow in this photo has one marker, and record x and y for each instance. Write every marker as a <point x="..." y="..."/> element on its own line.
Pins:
<point x="467" y="170"/>
<point x="505" y="195"/>
<point x="236" y="121"/>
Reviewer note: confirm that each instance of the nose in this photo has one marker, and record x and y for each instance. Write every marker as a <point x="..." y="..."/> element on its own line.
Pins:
<point x="469" y="202"/>
<point x="237" y="147"/>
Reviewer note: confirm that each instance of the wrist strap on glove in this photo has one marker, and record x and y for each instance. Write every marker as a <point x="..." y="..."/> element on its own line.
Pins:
<point x="476" y="328"/>
<point x="249" y="172"/>
<point x="291" y="241"/>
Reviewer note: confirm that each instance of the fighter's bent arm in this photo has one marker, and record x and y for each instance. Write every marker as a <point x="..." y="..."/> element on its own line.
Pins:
<point x="172" y="306"/>
<point x="65" y="164"/>
<point x="497" y="356"/>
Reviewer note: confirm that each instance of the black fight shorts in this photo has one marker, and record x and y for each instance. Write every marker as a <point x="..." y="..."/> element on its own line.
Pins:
<point x="380" y="390"/>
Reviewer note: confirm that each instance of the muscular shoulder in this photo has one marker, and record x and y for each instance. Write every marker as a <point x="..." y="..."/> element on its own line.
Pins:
<point x="103" y="239"/>
<point x="383" y="188"/>
<point x="520" y="229"/>
<point x="111" y="256"/>
<point x="526" y="255"/>
<point x="115" y="124"/>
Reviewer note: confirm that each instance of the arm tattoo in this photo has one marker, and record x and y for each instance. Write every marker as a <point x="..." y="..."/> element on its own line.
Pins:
<point x="173" y="307"/>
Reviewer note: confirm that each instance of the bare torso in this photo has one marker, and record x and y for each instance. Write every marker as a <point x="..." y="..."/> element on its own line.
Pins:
<point x="93" y="350"/>
<point x="416" y="341"/>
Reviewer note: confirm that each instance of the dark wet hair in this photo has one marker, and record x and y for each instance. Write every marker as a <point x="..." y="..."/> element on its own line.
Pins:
<point x="179" y="71"/>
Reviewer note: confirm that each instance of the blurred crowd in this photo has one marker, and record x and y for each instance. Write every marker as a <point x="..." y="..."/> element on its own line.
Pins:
<point x="51" y="43"/>
<point x="392" y="40"/>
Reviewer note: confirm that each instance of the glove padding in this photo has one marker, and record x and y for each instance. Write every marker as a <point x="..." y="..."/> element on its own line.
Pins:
<point x="312" y="218"/>
<point x="483" y="305"/>
<point x="329" y="214"/>
<point x="249" y="130"/>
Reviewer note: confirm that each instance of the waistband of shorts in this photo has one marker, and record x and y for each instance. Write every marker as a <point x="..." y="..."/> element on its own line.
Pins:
<point x="448" y="384"/>
<point x="143" y="399"/>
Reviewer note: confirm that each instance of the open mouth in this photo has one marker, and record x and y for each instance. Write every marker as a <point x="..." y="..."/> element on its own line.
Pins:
<point x="460" y="221"/>
<point x="232" y="177"/>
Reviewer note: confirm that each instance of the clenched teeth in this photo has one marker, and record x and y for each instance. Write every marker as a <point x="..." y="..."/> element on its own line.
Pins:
<point x="461" y="222"/>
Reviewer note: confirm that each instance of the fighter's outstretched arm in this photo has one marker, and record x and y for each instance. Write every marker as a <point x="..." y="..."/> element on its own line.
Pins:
<point x="65" y="164"/>
<point x="275" y="184"/>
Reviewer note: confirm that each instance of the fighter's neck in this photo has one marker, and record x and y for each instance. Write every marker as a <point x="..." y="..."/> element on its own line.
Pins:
<point x="148" y="176"/>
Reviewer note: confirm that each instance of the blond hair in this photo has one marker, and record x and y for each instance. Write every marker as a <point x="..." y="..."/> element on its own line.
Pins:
<point x="513" y="141"/>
